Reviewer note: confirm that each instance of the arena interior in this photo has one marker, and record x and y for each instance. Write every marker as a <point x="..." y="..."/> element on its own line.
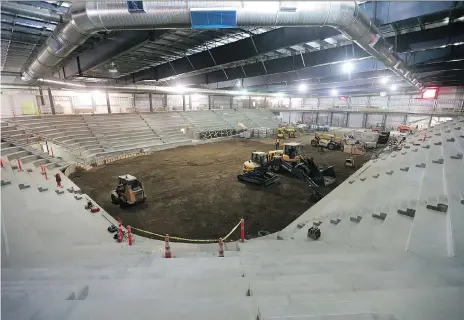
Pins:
<point x="232" y="160"/>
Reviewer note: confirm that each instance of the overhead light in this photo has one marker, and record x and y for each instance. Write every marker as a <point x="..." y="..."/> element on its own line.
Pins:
<point x="238" y="84"/>
<point x="348" y="67"/>
<point x="302" y="87"/>
<point x="180" y="88"/>
<point x="384" y="80"/>
<point x="334" y="92"/>
<point x="112" y="69"/>
<point x="393" y="87"/>
<point x="383" y="94"/>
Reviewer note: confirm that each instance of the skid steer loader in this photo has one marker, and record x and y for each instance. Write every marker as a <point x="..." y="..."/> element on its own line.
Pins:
<point x="129" y="191"/>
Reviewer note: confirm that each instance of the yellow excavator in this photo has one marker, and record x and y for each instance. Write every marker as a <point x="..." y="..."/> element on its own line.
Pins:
<point x="290" y="153"/>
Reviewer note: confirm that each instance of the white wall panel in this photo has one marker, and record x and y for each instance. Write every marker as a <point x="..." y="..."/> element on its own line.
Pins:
<point x="355" y="120"/>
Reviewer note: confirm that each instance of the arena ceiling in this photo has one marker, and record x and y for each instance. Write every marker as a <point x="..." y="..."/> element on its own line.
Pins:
<point x="429" y="36"/>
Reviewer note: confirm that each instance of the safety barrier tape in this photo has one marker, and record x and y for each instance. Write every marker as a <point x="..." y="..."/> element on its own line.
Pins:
<point x="185" y="239"/>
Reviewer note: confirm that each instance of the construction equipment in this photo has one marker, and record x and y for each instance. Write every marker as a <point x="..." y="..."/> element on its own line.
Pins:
<point x="259" y="176"/>
<point x="129" y="191"/>
<point x="258" y="159"/>
<point x="286" y="133"/>
<point x="350" y="162"/>
<point x="291" y="132"/>
<point x="291" y="152"/>
<point x="322" y="176"/>
<point x="383" y="137"/>
<point x="325" y="143"/>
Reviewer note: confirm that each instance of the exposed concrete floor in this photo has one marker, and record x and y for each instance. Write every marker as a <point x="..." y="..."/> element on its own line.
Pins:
<point x="193" y="191"/>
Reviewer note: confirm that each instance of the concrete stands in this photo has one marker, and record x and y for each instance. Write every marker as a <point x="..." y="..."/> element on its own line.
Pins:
<point x="236" y="119"/>
<point x="263" y="118"/>
<point x="392" y="247"/>
<point x="122" y="132"/>
<point x="207" y="123"/>
<point x="170" y="126"/>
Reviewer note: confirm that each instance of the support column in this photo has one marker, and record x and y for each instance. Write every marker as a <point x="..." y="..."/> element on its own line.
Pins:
<point x="331" y="117"/>
<point x="265" y="102"/>
<point x="249" y="102"/>
<point x="384" y="121"/>
<point x="430" y="120"/>
<point x="42" y="100"/>
<point x="405" y="119"/>
<point x="94" y="104"/>
<point x="209" y="102"/>
<point x="317" y="117"/>
<point x="190" y="102"/>
<point x="346" y="120"/>
<point x="183" y="102"/>
<point x="150" y="100"/>
<point x="108" y="105"/>
<point x="133" y="101"/>
<point x="289" y="116"/>
<point x="290" y="103"/>
<point x="231" y="102"/>
<point x="364" y="123"/>
<point x="165" y="101"/>
<point x="52" y="103"/>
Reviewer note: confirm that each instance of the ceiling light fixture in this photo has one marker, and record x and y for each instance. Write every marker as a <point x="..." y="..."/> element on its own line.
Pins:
<point x="393" y="87"/>
<point x="334" y="92"/>
<point x="302" y="87"/>
<point x="348" y="67"/>
<point x="384" y="80"/>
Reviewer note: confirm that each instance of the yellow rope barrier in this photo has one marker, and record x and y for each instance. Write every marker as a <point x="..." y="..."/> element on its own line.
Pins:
<point x="185" y="239"/>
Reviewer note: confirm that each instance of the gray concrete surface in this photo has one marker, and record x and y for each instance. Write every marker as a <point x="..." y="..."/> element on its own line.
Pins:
<point x="59" y="262"/>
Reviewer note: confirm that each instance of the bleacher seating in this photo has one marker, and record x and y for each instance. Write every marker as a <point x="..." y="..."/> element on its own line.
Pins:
<point x="203" y="121"/>
<point x="168" y="125"/>
<point x="392" y="247"/>
<point x="236" y="119"/>
<point x="263" y="118"/>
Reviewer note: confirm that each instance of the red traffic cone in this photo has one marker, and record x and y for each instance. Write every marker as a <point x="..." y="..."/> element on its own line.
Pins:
<point x="167" y="248"/>
<point x="1" y="163"/>
<point x="221" y="248"/>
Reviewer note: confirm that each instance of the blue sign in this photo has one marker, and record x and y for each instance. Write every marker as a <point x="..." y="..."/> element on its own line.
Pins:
<point x="135" y="6"/>
<point x="213" y="19"/>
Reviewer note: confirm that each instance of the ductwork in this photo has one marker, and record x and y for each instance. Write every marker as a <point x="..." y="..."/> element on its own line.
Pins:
<point x="87" y="18"/>
<point x="34" y="12"/>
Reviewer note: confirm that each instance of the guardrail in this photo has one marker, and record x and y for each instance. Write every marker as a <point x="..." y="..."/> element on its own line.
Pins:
<point x="454" y="112"/>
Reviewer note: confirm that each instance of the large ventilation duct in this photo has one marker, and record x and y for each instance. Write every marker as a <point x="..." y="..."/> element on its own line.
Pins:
<point x="31" y="11"/>
<point x="87" y="18"/>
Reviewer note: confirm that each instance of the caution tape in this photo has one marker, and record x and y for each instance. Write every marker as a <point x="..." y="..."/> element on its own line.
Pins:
<point x="186" y="239"/>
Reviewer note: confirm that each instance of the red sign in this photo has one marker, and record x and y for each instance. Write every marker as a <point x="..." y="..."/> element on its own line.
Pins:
<point x="343" y="98"/>
<point x="430" y="93"/>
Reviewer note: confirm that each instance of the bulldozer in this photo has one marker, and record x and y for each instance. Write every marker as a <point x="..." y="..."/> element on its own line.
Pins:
<point x="129" y="191"/>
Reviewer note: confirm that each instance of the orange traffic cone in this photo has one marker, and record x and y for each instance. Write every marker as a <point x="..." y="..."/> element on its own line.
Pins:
<point x="167" y="248"/>
<point x="221" y="248"/>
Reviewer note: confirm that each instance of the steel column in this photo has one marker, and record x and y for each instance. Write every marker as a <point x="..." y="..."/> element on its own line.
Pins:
<point x="364" y="123"/>
<point x="317" y="117"/>
<point x="165" y="101"/>
<point x="108" y="105"/>
<point x="183" y="102"/>
<point x="209" y="102"/>
<point x="42" y="100"/>
<point x="384" y="121"/>
<point x="290" y="103"/>
<point x="231" y="102"/>
<point x="405" y="119"/>
<point x="346" y="120"/>
<point x="52" y="103"/>
<point x="331" y="117"/>
<point x="249" y="102"/>
<point x="430" y="120"/>
<point x="190" y="102"/>
<point x="150" y="100"/>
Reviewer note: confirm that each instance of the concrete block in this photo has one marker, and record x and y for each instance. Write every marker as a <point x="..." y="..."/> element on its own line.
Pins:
<point x="436" y="205"/>
<point x="438" y="161"/>
<point x="280" y="238"/>
<point x="376" y="176"/>
<point x="14" y="167"/>
<point x="363" y="178"/>
<point x="403" y="153"/>
<point x="70" y="190"/>
<point x="426" y="147"/>
<point x="422" y="165"/>
<point x="461" y="136"/>
<point x="416" y="144"/>
<point x="337" y="221"/>
<point x="351" y="181"/>
<point x="78" y="197"/>
<point x="356" y="219"/>
<point x="29" y="170"/>
<point x="457" y="157"/>
<point x="450" y="140"/>
<point x="408" y="212"/>
<point x="415" y="150"/>
<point x="389" y="172"/>
<point x="79" y="191"/>
<point x="42" y="189"/>
<point x="405" y="169"/>
<point x="23" y="186"/>
<point x="393" y="155"/>
<point x="407" y="147"/>
<point x="438" y="143"/>
<point x="58" y="192"/>
<point x="381" y="216"/>
<point x="5" y="183"/>
<point x="301" y="225"/>
<point x="438" y="134"/>
<point x="317" y="223"/>
<point x="447" y="131"/>
<point x="457" y="128"/>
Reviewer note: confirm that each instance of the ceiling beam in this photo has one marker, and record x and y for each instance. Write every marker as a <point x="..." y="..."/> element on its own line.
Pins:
<point x="282" y="38"/>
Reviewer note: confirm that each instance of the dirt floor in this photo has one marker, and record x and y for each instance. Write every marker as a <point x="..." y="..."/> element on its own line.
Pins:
<point x="193" y="191"/>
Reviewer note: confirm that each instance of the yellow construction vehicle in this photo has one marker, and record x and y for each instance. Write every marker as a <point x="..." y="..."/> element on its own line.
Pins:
<point x="129" y="191"/>
<point x="292" y="152"/>
<point x="281" y="133"/>
<point x="258" y="160"/>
